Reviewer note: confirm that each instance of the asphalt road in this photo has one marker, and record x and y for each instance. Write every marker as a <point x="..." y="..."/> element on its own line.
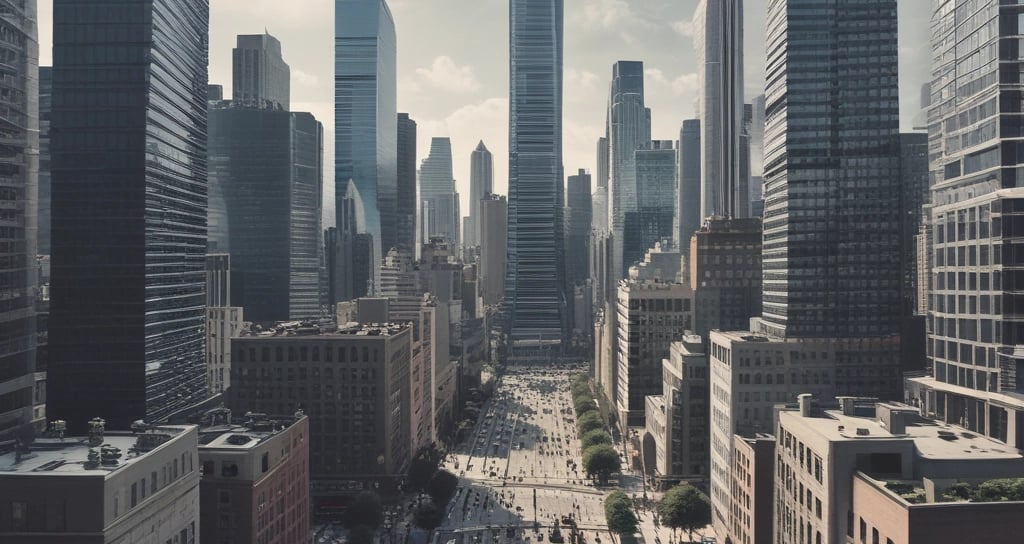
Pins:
<point x="521" y="468"/>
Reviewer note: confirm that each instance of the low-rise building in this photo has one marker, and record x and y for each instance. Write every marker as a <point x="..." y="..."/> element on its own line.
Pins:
<point x="255" y="485"/>
<point x="753" y="485"/>
<point x="137" y="487"/>
<point x="879" y="472"/>
<point x="353" y="383"/>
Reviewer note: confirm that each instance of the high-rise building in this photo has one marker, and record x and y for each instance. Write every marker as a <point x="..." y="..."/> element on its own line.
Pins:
<point x="493" y="248"/>
<point x="351" y="252"/>
<point x="129" y="210"/>
<point x="223" y="322"/>
<point x="688" y="216"/>
<point x="650" y="222"/>
<point x="366" y="119"/>
<point x="579" y="213"/>
<point x="481" y="184"/>
<point x="725" y="274"/>
<point x="260" y="76"/>
<point x="600" y="198"/>
<point x="20" y="164"/>
<point x="975" y="330"/>
<point x="914" y="199"/>
<point x="628" y="131"/>
<point x="533" y="289"/>
<point x="405" y="238"/>
<point x="45" y="105"/>
<point x="266" y="171"/>
<point x="718" y="42"/>
<point x="832" y="236"/>
<point x="437" y="193"/>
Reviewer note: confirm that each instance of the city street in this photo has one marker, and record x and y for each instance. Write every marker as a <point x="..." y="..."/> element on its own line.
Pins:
<point x="521" y="468"/>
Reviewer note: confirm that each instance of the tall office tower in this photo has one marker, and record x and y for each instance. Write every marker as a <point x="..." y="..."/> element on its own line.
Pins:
<point x="688" y="185"/>
<point x="600" y="198"/>
<point x="651" y="221"/>
<point x="405" y="237"/>
<point x="628" y="130"/>
<point x="481" y="183"/>
<point x="757" y="157"/>
<point x="725" y="274"/>
<point x="129" y="210"/>
<point x="45" y="102"/>
<point x="832" y="251"/>
<point x="366" y="119"/>
<point x="579" y="212"/>
<point x="494" y="248"/>
<point x="744" y="197"/>
<point x="915" y="186"/>
<point x="975" y="328"/>
<point x="20" y="163"/>
<point x="266" y="169"/>
<point x="533" y="287"/>
<point x="350" y="255"/>
<point x="261" y="78"/>
<point x="437" y="192"/>
<point x="718" y="41"/>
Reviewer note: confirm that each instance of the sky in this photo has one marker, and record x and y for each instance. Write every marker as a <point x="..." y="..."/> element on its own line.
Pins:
<point x="453" y="66"/>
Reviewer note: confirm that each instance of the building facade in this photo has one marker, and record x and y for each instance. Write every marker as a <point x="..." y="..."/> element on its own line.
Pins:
<point x="725" y="274"/>
<point x="579" y="213"/>
<point x="650" y="222"/>
<point x="260" y="76"/>
<point x="405" y="238"/>
<point x="493" y="248"/>
<point x="129" y="211"/>
<point x="223" y="322"/>
<point x="534" y="275"/>
<point x="600" y="197"/>
<point x="688" y="218"/>
<point x="255" y="485"/>
<point x="628" y="130"/>
<point x="437" y="193"/>
<point x="752" y="492"/>
<point x="366" y="119"/>
<point x="481" y="184"/>
<point x="677" y="420"/>
<point x="718" y="42"/>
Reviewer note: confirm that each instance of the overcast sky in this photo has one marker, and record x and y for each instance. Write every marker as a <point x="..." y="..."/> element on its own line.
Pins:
<point x="453" y="66"/>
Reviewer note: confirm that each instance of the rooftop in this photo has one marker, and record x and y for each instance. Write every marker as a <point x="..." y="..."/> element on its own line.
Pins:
<point x="220" y="431"/>
<point x="70" y="455"/>
<point x="306" y="328"/>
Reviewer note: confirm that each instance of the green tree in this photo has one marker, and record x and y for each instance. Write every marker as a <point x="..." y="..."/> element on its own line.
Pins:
<point x="428" y="516"/>
<point x="442" y="487"/>
<point x="584" y="404"/>
<point x="601" y="461"/>
<point x="596" y="438"/>
<point x="420" y="471"/>
<point x="365" y="509"/>
<point x="1003" y="489"/>
<point x="685" y="507"/>
<point x="618" y="512"/>
<point x="590" y="421"/>
<point x="360" y="534"/>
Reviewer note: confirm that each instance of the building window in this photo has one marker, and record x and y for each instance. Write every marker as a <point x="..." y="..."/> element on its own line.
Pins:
<point x="265" y="462"/>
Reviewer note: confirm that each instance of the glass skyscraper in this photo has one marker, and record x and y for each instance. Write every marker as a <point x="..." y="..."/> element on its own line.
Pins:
<point x="579" y="212"/>
<point x="481" y="184"/>
<point x="19" y="165"/>
<point x="437" y="193"/>
<point x="366" y="117"/>
<point x="129" y="185"/>
<point x="831" y="253"/>
<point x="688" y="184"/>
<point x="405" y="237"/>
<point x="628" y="130"/>
<point x="261" y="78"/>
<point x="651" y="221"/>
<point x="534" y="275"/>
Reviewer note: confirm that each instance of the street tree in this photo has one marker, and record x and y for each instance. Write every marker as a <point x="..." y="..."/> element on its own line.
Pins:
<point x="420" y="471"/>
<point x="590" y="421"/>
<point x="684" y="507"/>
<point x="584" y="404"/>
<point x="618" y="512"/>
<point x="601" y="461"/>
<point x="365" y="509"/>
<point x="442" y="487"/>
<point x="428" y="516"/>
<point x="596" y="438"/>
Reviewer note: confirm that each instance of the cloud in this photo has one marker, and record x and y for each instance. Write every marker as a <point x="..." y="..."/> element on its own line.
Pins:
<point x="579" y="81"/>
<point x="446" y="75"/>
<point x="680" y="86"/>
<point x="304" y="79"/>
<point x="686" y="28"/>
<point x="605" y="13"/>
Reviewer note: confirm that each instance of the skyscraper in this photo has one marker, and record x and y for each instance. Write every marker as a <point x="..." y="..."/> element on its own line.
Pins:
<point x="261" y="78"/>
<point x="975" y="330"/>
<point x="129" y="210"/>
<point x="628" y="130"/>
<point x="366" y="117"/>
<point x="718" y="41"/>
<point x="600" y="198"/>
<point x="578" y="215"/>
<point x="534" y="275"/>
<point x="405" y="238"/>
<point x="20" y="163"/>
<point x="45" y="104"/>
<point x="688" y="187"/>
<point x="437" y="192"/>
<point x="832" y="228"/>
<point x="493" y="247"/>
<point x="481" y="183"/>
<point x="651" y="221"/>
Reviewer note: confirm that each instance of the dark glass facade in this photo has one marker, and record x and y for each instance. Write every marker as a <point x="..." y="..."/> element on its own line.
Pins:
<point x="45" y="94"/>
<point x="129" y="174"/>
<point x="628" y="130"/>
<point x="19" y="171"/>
<point x="688" y="183"/>
<point x="534" y="275"/>
<point x="267" y="166"/>
<point x="579" y="213"/>
<point x="831" y="253"/>
<point x="405" y="236"/>
<point x="651" y="221"/>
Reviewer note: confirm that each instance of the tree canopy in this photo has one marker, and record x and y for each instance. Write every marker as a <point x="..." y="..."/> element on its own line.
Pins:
<point x="584" y="404"/>
<point x="442" y="487"/>
<point x="601" y="461"/>
<point x="685" y="507"/>
<point x="618" y="512"/>
<point x="590" y="421"/>
<point x="365" y="509"/>
<point x="428" y="516"/>
<point x="596" y="438"/>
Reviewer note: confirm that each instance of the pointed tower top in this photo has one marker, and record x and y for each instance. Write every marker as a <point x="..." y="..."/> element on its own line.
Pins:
<point x="481" y="146"/>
